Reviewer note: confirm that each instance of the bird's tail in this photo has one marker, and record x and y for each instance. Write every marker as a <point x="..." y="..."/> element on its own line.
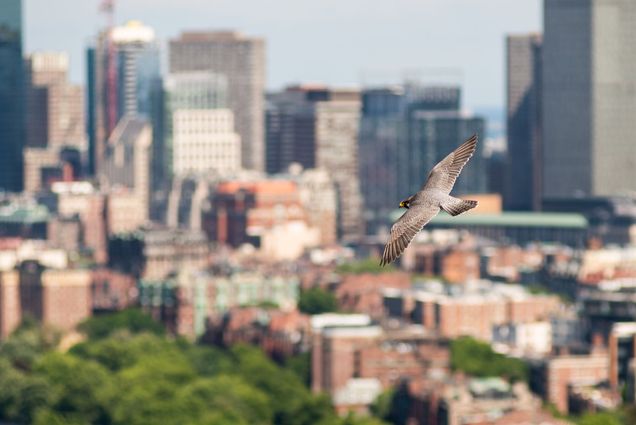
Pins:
<point x="455" y="206"/>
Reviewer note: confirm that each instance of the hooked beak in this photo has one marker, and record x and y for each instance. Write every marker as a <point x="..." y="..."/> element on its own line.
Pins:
<point x="403" y="205"/>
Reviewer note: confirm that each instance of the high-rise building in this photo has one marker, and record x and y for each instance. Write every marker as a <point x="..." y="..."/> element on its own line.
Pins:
<point x="55" y="108"/>
<point x="127" y="165"/>
<point x="435" y="127"/>
<point x="241" y="60"/>
<point x="196" y="90"/>
<point x="404" y="131"/>
<point x="12" y="96"/>
<point x="381" y="144"/>
<point x="199" y="128"/>
<point x="523" y="98"/>
<point x="318" y="127"/>
<point x="204" y="141"/>
<point x="589" y="98"/>
<point x="55" y="133"/>
<point x="123" y="79"/>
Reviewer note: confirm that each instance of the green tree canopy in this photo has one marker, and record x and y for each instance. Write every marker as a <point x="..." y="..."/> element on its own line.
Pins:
<point x="603" y="418"/>
<point x="478" y="359"/>
<point x="317" y="300"/>
<point x="133" y="375"/>
<point x="132" y="320"/>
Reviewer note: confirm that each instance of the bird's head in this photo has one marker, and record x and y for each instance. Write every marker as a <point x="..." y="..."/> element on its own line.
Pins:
<point x="405" y="203"/>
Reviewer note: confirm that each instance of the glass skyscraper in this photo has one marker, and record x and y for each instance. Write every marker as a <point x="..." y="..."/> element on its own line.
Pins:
<point x="135" y="88"/>
<point x="12" y="95"/>
<point x="404" y="131"/>
<point x="523" y="95"/>
<point x="589" y="98"/>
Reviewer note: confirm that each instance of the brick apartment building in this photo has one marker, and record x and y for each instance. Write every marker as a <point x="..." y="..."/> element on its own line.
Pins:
<point x="554" y="377"/>
<point x="363" y="293"/>
<point x="476" y="314"/>
<point x="239" y="209"/>
<point x="353" y="363"/>
<point x="279" y="216"/>
<point x="58" y="298"/>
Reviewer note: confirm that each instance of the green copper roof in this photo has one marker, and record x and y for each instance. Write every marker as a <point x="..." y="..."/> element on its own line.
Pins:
<point x="24" y="214"/>
<point x="509" y="219"/>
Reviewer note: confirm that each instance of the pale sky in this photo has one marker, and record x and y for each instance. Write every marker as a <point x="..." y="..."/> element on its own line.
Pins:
<point x="337" y="42"/>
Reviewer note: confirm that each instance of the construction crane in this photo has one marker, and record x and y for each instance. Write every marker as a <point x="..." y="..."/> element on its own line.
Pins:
<point x="107" y="8"/>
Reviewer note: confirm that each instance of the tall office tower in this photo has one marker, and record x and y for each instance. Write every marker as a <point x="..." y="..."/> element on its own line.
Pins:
<point x="381" y="141"/>
<point x="290" y="131"/>
<point x="12" y="96"/>
<point x="434" y="134"/>
<point x="123" y="79"/>
<point x="55" y="108"/>
<point x="241" y="60"/>
<point x="404" y="131"/>
<point x="589" y="98"/>
<point x="127" y="165"/>
<point x="318" y="127"/>
<point x="200" y="132"/>
<point x="523" y="99"/>
<point x="204" y="141"/>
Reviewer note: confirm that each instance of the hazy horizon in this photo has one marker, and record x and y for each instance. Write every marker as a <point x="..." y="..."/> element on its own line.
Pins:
<point x="338" y="43"/>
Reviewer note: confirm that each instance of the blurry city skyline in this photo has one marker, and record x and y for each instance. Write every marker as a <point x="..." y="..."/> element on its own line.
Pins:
<point x="364" y="43"/>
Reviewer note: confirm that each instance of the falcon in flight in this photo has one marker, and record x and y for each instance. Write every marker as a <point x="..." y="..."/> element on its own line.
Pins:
<point x="425" y="204"/>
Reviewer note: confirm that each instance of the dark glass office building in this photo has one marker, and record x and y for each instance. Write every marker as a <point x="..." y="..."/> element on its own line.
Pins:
<point x="404" y="131"/>
<point x="12" y="96"/>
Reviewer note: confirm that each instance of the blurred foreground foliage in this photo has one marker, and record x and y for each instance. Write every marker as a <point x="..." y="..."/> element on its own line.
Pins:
<point x="129" y="372"/>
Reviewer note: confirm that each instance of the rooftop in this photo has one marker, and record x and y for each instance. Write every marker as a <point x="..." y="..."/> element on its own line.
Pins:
<point x="271" y="187"/>
<point x="25" y="214"/>
<point x="509" y="219"/>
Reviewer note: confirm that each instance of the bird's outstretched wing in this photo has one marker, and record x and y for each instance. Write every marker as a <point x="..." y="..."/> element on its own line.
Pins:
<point x="404" y="229"/>
<point x="444" y="174"/>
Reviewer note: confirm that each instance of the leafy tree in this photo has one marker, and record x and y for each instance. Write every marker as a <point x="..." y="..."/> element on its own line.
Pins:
<point x="316" y="300"/>
<point x="604" y="418"/>
<point x="478" y="359"/>
<point x="309" y="410"/>
<point x="27" y="343"/>
<point x="229" y="395"/>
<point x="132" y="374"/>
<point x="208" y="361"/>
<point x="352" y="419"/>
<point x="46" y="416"/>
<point x="80" y="389"/>
<point x="132" y="320"/>
<point x="291" y="401"/>
<point x="21" y="394"/>
<point x="123" y="350"/>
<point x="381" y="407"/>
<point x="300" y="364"/>
<point x="147" y="390"/>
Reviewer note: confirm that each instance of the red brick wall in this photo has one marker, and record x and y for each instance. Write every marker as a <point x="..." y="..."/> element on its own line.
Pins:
<point x="66" y="297"/>
<point x="474" y="319"/>
<point x="460" y="266"/>
<point x="10" y="312"/>
<point x="567" y="370"/>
